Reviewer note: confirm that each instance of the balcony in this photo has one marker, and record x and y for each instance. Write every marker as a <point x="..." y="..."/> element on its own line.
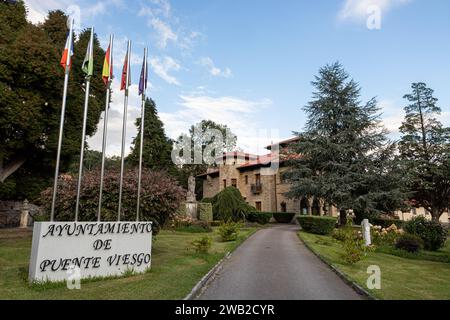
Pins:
<point x="256" y="188"/>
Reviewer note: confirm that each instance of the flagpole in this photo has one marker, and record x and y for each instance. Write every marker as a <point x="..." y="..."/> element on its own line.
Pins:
<point x="105" y="130"/>
<point x="142" y="135"/>
<point x="124" y="131"/>
<point x="61" y="125"/>
<point x="83" y="141"/>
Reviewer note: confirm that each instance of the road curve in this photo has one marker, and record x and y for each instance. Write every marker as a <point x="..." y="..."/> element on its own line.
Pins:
<point x="275" y="265"/>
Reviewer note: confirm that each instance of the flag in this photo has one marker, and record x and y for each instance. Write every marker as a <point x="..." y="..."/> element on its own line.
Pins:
<point x="107" y="68"/>
<point x="124" y="85"/>
<point x="65" y="55"/>
<point x="144" y="76"/>
<point x="88" y="63"/>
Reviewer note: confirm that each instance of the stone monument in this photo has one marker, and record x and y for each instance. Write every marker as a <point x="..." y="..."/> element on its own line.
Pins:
<point x="24" y="215"/>
<point x="191" y="200"/>
<point x="365" y="225"/>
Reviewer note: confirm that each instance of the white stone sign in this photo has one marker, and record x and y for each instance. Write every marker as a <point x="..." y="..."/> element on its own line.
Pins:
<point x="98" y="249"/>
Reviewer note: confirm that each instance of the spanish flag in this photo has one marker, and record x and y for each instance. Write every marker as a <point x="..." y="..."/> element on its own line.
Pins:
<point x="65" y="57"/>
<point x="108" y="66"/>
<point x="126" y="72"/>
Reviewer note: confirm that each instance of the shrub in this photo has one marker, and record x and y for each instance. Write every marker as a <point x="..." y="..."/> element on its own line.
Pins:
<point x="340" y="234"/>
<point x="216" y="223"/>
<point x="259" y="217"/>
<point x="386" y="223"/>
<point x="432" y="233"/>
<point x="202" y="245"/>
<point x="229" y="231"/>
<point x="317" y="225"/>
<point x="352" y="243"/>
<point x="160" y="198"/>
<point x="284" y="217"/>
<point x="409" y="242"/>
<point x="385" y="236"/>
<point x="229" y="205"/>
<point x="353" y="250"/>
<point x="205" y="212"/>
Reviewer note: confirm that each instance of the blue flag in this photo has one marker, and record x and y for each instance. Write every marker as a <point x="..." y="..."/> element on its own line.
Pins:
<point x="143" y="79"/>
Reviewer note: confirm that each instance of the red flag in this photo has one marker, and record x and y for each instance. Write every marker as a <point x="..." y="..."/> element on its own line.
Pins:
<point x="125" y="72"/>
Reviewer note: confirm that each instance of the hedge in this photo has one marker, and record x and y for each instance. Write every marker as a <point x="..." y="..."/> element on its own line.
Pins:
<point x="259" y="217"/>
<point x="317" y="225"/>
<point x="283" y="217"/>
<point x="386" y="223"/>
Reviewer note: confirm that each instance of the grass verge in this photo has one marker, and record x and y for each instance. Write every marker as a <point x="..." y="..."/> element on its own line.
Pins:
<point x="401" y="278"/>
<point x="175" y="270"/>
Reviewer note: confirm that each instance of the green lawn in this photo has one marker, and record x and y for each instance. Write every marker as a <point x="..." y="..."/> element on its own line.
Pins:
<point x="401" y="278"/>
<point x="175" y="270"/>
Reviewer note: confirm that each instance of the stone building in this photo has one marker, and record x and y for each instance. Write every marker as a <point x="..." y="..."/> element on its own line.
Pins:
<point x="265" y="189"/>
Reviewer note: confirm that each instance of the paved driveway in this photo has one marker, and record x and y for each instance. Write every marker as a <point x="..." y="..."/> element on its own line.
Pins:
<point x="275" y="265"/>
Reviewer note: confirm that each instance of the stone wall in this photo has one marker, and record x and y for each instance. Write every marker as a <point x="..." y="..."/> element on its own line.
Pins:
<point x="10" y="213"/>
<point x="211" y="187"/>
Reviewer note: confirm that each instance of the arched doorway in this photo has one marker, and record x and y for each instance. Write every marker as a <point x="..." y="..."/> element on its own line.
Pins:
<point x="304" y="206"/>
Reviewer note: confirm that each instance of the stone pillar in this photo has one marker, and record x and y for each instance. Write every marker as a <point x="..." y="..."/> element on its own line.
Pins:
<point x="310" y="205"/>
<point x="321" y="204"/>
<point x="331" y="210"/>
<point x="365" y="225"/>
<point x="24" y="215"/>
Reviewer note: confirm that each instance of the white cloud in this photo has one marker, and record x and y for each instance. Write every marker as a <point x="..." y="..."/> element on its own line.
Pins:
<point x="237" y="113"/>
<point x="392" y="116"/>
<point x="163" y="66"/>
<point x="38" y="9"/>
<point x="357" y="9"/>
<point x="213" y="70"/>
<point x="164" y="31"/>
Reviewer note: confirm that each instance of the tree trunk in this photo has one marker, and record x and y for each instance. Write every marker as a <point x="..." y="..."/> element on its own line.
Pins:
<point x="436" y="215"/>
<point x="343" y="217"/>
<point x="10" y="168"/>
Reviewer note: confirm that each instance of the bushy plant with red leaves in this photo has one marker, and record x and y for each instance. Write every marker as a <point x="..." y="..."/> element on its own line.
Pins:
<point x="160" y="198"/>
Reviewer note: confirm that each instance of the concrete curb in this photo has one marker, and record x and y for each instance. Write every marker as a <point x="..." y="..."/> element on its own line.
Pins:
<point x="201" y="285"/>
<point x="360" y="290"/>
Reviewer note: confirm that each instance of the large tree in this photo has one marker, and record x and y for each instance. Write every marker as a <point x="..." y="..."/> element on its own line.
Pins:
<point x="202" y="138"/>
<point x="346" y="157"/>
<point x="157" y="146"/>
<point x="425" y="151"/>
<point x="31" y="83"/>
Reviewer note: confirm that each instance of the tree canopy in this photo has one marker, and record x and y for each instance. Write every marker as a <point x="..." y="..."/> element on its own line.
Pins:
<point x="425" y="151"/>
<point x="157" y="146"/>
<point x="31" y="82"/>
<point x="346" y="156"/>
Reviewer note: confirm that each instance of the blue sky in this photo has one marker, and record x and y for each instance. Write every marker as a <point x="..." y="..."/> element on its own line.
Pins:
<point x="249" y="64"/>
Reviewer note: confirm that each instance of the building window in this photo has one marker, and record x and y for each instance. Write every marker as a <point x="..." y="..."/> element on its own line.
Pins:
<point x="259" y="206"/>
<point x="246" y="179"/>
<point x="258" y="179"/>
<point x="414" y="211"/>
<point x="234" y="183"/>
<point x="283" y="207"/>
<point x="224" y="183"/>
